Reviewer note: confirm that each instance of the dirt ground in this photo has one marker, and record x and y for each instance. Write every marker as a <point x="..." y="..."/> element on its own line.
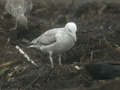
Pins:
<point x="98" y="40"/>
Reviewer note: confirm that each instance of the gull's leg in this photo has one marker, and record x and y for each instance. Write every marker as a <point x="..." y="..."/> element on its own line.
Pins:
<point x="60" y="63"/>
<point x="51" y="59"/>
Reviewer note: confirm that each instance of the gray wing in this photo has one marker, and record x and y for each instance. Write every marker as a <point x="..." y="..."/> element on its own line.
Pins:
<point x="46" y="38"/>
<point x="14" y="7"/>
<point x="17" y="7"/>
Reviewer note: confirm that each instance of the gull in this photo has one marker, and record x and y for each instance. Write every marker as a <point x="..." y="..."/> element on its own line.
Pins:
<point x="57" y="40"/>
<point x="18" y="9"/>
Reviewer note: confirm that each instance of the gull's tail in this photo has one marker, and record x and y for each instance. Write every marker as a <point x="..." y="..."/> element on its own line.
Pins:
<point x="34" y="46"/>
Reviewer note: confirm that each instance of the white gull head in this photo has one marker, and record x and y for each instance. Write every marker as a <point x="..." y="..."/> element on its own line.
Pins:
<point x="72" y="28"/>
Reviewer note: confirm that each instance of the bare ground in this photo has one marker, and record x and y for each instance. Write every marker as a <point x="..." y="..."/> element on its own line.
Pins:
<point x="98" y="41"/>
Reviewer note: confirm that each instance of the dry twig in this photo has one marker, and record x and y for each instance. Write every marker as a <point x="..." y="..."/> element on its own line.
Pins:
<point x="25" y="55"/>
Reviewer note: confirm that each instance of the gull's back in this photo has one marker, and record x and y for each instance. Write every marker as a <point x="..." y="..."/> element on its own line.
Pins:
<point x="47" y="38"/>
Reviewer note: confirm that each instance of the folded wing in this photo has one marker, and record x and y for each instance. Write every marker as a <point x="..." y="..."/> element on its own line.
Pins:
<point x="47" y="38"/>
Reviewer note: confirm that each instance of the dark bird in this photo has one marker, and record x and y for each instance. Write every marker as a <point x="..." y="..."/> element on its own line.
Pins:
<point x="103" y="71"/>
